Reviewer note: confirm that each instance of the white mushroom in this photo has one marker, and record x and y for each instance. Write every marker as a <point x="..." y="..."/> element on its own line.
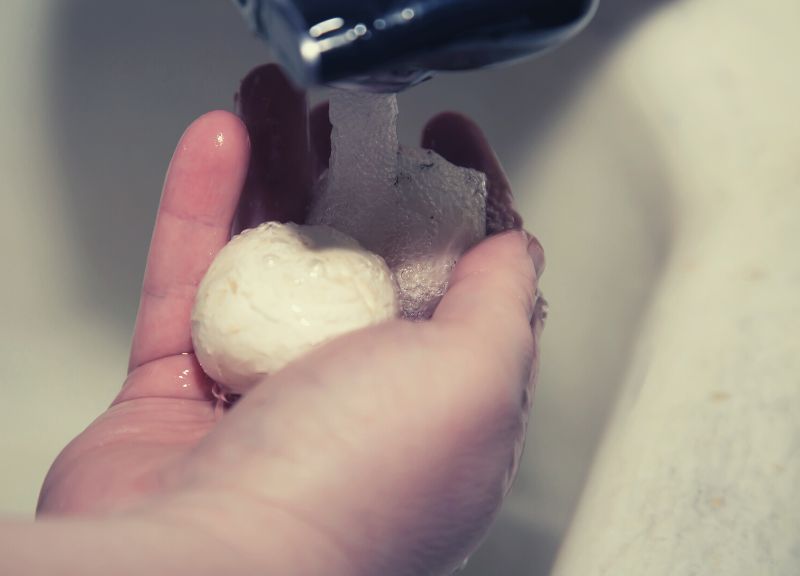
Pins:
<point x="277" y="291"/>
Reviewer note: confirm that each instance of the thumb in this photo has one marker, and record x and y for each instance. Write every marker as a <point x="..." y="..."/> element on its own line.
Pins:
<point x="493" y="289"/>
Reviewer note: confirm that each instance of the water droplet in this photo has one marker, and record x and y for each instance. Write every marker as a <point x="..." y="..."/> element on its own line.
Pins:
<point x="183" y="378"/>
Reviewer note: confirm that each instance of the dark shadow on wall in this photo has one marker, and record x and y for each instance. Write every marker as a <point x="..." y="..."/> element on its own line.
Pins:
<point x="127" y="78"/>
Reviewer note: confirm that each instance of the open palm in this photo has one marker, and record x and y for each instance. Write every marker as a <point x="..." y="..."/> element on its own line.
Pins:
<point x="390" y="447"/>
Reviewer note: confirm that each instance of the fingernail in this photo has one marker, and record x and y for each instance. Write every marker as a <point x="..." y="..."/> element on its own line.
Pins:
<point x="536" y="252"/>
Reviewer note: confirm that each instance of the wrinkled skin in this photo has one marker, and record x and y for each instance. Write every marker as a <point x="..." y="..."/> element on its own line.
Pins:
<point x="388" y="451"/>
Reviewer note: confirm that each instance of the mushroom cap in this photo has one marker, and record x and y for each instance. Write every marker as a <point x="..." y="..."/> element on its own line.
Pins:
<point x="277" y="291"/>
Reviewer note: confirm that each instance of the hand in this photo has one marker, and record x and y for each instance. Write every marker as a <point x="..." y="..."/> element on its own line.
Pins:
<point x="387" y="451"/>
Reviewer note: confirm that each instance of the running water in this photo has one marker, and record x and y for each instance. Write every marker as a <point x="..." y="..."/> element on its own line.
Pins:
<point x="411" y="206"/>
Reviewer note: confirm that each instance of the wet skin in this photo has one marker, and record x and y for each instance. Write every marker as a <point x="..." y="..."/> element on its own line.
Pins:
<point x="387" y="451"/>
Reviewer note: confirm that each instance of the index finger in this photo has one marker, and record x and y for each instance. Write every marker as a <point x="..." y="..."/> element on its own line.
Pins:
<point x="200" y="195"/>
